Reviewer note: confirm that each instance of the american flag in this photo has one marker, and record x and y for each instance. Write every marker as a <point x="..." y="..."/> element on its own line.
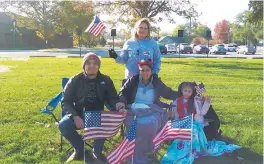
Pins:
<point x="174" y="129"/>
<point x="102" y="124"/>
<point x="126" y="148"/>
<point x="200" y="89"/>
<point x="96" y="27"/>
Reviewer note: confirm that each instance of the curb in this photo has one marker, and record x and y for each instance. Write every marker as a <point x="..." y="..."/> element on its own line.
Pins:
<point x="42" y="56"/>
<point x="79" y="57"/>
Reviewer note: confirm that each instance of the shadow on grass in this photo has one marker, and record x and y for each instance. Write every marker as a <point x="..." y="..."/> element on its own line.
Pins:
<point x="239" y="156"/>
<point x="109" y="145"/>
<point x="175" y="62"/>
<point x="229" y="74"/>
<point x="232" y="66"/>
<point x="226" y="65"/>
<point x="243" y="155"/>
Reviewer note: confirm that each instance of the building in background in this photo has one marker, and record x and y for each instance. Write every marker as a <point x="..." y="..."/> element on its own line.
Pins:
<point x="15" y="37"/>
<point x="170" y="40"/>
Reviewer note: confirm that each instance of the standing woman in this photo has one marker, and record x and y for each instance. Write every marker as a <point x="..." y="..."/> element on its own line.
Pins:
<point x="139" y="47"/>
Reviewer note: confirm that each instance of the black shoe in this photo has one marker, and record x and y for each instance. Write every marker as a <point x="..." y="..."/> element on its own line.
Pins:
<point x="75" y="157"/>
<point x="99" y="156"/>
<point x="219" y="135"/>
<point x="88" y="157"/>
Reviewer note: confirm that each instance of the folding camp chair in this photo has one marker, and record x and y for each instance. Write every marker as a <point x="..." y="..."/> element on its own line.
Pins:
<point x="51" y="106"/>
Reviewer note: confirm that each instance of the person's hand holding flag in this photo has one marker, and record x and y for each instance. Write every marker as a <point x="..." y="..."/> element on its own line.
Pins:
<point x="112" y="53"/>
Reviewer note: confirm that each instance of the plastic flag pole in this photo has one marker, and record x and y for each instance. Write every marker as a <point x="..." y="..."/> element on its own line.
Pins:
<point x="191" y="136"/>
<point x="83" y="132"/>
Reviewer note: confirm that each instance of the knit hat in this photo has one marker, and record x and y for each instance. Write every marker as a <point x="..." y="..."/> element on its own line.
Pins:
<point x="91" y="56"/>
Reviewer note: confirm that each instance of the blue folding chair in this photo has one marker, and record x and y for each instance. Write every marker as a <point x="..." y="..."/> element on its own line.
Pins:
<point x="51" y="106"/>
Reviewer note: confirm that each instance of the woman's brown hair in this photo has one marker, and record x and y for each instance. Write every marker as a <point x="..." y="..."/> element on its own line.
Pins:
<point x="138" y="23"/>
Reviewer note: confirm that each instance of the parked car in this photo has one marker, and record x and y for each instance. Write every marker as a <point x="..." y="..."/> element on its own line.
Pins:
<point x="230" y="47"/>
<point x="171" y="48"/>
<point x="246" y="49"/>
<point x="163" y="49"/>
<point x="184" y="48"/>
<point x="217" y="49"/>
<point x="192" y="45"/>
<point x="201" y="49"/>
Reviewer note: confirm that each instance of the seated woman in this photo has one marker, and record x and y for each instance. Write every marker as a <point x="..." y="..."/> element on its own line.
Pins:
<point x="182" y="151"/>
<point x="141" y="94"/>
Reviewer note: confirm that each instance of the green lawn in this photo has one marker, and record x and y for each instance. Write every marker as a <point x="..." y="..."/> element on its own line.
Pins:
<point x="26" y="136"/>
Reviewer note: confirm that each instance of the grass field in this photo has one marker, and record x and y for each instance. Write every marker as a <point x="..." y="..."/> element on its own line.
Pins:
<point x="26" y="136"/>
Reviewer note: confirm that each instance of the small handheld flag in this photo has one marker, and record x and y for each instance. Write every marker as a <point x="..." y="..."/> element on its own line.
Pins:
<point x="96" y="27"/>
<point x="174" y="129"/>
<point x="200" y="89"/>
<point x="126" y="148"/>
<point x="102" y="124"/>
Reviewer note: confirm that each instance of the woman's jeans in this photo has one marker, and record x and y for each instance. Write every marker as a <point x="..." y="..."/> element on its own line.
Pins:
<point x="68" y="130"/>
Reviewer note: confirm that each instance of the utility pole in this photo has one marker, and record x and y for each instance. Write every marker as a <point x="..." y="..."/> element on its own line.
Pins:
<point x="190" y="29"/>
<point x="79" y="33"/>
<point x="14" y="29"/>
<point x="228" y="37"/>
<point x="228" y="34"/>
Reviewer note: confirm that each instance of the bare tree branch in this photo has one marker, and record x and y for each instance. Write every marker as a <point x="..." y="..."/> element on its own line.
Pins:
<point x="148" y="9"/>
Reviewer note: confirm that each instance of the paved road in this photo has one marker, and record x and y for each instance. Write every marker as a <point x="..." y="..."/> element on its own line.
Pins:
<point x="104" y="53"/>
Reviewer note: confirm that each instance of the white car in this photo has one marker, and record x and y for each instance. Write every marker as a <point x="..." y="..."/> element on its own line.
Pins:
<point x="246" y="50"/>
<point x="230" y="47"/>
<point x="217" y="49"/>
<point x="171" y="48"/>
<point x="184" y="48"/>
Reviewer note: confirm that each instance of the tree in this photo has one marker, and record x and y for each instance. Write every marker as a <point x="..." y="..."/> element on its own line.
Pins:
<point x="179" y="27"/>
<point x="222" y="31"/>
<point x="72" y="16"/>
<point x="199" y="40"/>
<point x="36" y="15"/>
<point x="128" y="12"/>
<point x="125" y="33"/>
<point x="200" y="31"/>
<point x="189" y="31"/>
<point x="186" y="32"/>
<point x="102" y="41"/>
<point x="256" y="12"/>
<point x="245" y="32"/>
<point x="164" y="33"/>
<point x="155" y="30"/>
<point x="49" y="18"/>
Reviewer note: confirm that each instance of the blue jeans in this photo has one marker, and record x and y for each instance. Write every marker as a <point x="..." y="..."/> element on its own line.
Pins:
<point x="68" y="130"/>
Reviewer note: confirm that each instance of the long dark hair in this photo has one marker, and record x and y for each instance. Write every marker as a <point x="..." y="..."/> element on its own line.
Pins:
<point x="191" y="85"/>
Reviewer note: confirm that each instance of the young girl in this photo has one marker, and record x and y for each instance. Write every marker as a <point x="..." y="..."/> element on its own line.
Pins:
<point x="190" y="103"/>
<point x="183" y="151"/>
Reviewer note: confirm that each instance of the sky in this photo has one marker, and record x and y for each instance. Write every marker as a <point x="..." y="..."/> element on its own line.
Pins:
<point x="213" y="11"/>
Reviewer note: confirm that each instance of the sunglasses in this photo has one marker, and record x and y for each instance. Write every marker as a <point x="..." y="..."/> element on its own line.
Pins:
<point x="145" y="70"/>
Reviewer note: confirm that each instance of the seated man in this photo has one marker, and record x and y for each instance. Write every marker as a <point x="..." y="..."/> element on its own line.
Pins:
<point x="88" y="90"/>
